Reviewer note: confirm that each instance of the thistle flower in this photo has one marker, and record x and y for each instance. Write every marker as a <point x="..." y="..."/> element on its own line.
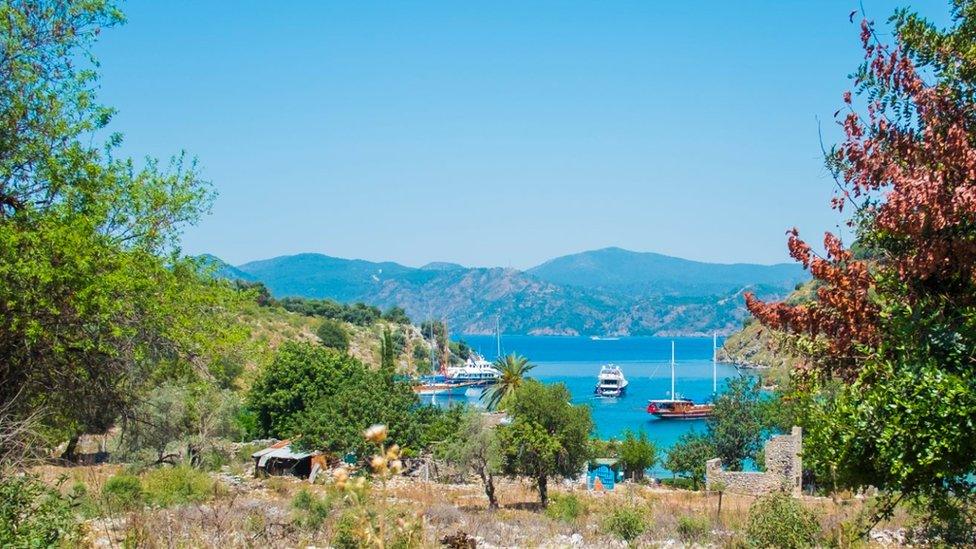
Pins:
<point x="376" y="433"/>
<point x="396" y="466"/>
<point x="378" y="463"/>
<point x="393" y="452"/>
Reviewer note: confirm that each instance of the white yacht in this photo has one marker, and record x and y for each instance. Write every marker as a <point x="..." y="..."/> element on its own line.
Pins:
<point x="475" y="372"/>
<point x="611" y="382"/>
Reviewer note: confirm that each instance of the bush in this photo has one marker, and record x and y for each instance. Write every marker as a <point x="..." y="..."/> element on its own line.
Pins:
<point x="693" y="529"/>
<point x="311" y="510"/>
<point x="626" y="523"/>
<point x="123" y="492"/>
<point x="778" y="520"/>
<point x="33" y="514"/>
<point x="565" y="507"/>
<point x="332" y="335"/>
<point x="169" y="486"/>
<point x="346" y="533"/>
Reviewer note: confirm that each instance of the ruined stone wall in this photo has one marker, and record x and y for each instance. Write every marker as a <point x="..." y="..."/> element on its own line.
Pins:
<point x="783" y="469"/>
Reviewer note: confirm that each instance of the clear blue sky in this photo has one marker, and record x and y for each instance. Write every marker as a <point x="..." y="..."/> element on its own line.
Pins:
<point x="492" y="133"/>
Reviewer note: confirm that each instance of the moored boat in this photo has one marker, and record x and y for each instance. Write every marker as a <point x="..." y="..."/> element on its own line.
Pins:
<point x="475" y="372"/>
<point x="677" y="407"/>
<point x="611" y="382"/>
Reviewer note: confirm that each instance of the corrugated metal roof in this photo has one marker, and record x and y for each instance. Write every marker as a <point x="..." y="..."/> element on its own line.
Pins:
<point x="280" y="450"/>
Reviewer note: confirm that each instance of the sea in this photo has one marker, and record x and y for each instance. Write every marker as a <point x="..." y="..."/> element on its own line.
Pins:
<point x="645" y="361"/>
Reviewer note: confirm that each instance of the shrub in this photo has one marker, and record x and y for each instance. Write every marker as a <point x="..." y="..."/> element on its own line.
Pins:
<point x="346" y="532"/>
<point x="176" y="485"/>
<point x="311" y="510"/>
<point x="565" y="507"/>
<point x="33" y="514"/>
<point x="778" y="520"/>
<point x="626" y="523"/>
<point x="123" y="492"/>
<point x="693" y="529"/>
<point x="333" y="335"/>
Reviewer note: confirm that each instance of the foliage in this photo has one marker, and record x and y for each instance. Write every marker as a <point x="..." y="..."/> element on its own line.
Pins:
<point x="168" y="486"/>
<point x="693" y="529"/>
<point x="778" y="520"/>
<point x="600" y="448"/>
<point x="460" y="350"/>
<point x="311" y="509"/>
<point x="548" y="436"/>
<point x="96" y="297"/>
<point x="360" y="314"/>
<point x="475" y="447"/>
<point x="949" y="521"/>
<point x="637" y="453"/>
<point x="299" y="376"/>
<point x="123" y="492"/>
<point x="33" y="514"/>
<point x="688" y="456"/>
<point x="896" y="321"/>
<point x="626" y="523"/>
<point x="513" y="371"/>
<point x="396" y="315"/>
<point x="735" y="428"/>
<point x="387" y="352"/>
<point x="362" y="397"/>
<point x="566" y="508"/>
<point x="333" y="335"/>
<point x="191" y="414"/>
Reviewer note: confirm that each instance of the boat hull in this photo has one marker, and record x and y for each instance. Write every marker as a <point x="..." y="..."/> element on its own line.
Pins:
<point x="682" y="415"/>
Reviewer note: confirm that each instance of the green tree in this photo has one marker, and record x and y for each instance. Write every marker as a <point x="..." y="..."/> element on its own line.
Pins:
<point x="333" y="335"/>
<point x="387" y="353"/>
<point x="637" y="453"/>
<point x="688" y="456"/>
<point x="362" y="398"/>
<point x="513" y="370"/>
<point x="735" y="428"/>
<point x="548" y="436"/>
<point x="299" y="376"/>
<point x="97" y="300"/>
<point x="893" y="321"/>
<point x="396" y="315"/>
<point x="476" y="447"/>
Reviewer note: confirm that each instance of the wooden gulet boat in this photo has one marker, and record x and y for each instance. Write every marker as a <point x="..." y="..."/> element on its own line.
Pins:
<point x="682" y="408"/>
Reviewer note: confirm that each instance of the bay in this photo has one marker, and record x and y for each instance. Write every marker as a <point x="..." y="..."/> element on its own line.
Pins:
<point x="576" y="361"/>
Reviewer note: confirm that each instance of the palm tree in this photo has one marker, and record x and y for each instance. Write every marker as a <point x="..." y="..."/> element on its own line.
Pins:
<point x="513" y="369"/>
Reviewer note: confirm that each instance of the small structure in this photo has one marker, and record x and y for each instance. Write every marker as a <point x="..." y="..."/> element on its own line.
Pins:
<point x="603" y="474"/>
<point x="281" y="459"/>
<point x="783" y="469"/>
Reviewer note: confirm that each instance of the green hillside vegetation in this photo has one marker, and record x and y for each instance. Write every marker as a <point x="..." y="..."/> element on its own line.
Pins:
<point x="756" y="346"/>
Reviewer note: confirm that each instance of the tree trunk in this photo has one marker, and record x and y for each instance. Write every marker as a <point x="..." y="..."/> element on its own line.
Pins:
<point x="543" y="491"/>
<point x="489" y="482"/>
<point x="70" y="453"/>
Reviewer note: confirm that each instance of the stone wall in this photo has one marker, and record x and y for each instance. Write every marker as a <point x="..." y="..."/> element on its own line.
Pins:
<point x="783" y="469"/>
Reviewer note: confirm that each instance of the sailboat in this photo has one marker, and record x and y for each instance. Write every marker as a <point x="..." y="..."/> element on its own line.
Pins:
<point x="681" y="408"/>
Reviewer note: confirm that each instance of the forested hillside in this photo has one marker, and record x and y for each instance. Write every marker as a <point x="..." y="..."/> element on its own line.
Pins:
<point x="610" y="291"/>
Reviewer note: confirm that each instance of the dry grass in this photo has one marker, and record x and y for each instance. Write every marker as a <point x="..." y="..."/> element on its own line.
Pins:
<point x="259" y="512"/>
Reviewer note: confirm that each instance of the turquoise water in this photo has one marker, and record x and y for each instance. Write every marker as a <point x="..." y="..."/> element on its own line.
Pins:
<point x="576" y="361"/>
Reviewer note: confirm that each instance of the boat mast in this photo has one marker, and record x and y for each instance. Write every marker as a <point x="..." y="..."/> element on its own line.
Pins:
<point x="672" y="371"/>
<point x="714" y="363"/>
<point x="498" y="337"/>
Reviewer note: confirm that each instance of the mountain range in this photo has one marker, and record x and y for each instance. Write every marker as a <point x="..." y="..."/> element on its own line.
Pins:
<point x="610" y="291"/>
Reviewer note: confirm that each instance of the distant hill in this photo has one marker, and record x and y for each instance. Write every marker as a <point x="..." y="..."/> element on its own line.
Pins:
<point x="645" y="273"/>
<point x="611" y="291"/>
<point x="223" y="269"/>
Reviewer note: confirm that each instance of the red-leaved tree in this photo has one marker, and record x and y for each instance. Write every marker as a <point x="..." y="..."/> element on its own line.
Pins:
<point x="909" y="168"/>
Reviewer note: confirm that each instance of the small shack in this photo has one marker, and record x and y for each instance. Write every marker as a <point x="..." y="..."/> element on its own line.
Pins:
<point x="603" y="474"/>
<point x="281" y="459"/>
